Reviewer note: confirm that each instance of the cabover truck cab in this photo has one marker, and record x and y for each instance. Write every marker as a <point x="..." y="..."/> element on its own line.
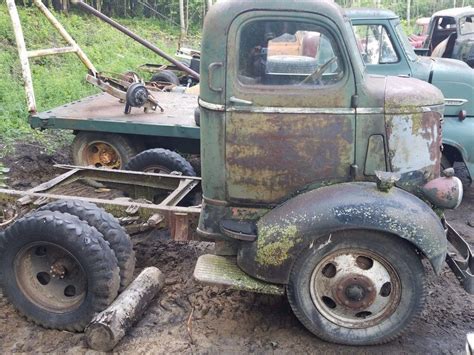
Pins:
<point x="385" y="50"/>
<point x="318" y="181"/>
<point x="318" y="178"/>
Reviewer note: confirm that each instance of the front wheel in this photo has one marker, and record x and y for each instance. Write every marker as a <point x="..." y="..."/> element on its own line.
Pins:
<point x="358" y="288"/>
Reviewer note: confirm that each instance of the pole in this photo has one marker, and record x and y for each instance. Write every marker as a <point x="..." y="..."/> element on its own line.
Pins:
<point x="82" y="56"/>
<point x="134" y="36"/>
<point x="22" y="52"/>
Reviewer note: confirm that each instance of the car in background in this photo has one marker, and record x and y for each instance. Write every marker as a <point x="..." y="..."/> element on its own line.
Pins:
<point x="421" y="32"/>
<point x="451" y="35"/>
<point x="386" y="50"/>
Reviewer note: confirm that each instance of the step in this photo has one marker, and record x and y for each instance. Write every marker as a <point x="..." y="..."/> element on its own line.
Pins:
<point x="220" y="270"/>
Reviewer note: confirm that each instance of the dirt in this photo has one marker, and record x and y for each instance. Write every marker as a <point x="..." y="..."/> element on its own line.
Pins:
<point x="188" y="317"/>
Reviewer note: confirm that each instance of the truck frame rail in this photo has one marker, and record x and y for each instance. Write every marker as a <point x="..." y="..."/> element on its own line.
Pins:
<point x="167" y="213"/>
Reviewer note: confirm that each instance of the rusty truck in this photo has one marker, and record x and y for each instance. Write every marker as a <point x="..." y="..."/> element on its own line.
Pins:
<point x="319" y="181"/>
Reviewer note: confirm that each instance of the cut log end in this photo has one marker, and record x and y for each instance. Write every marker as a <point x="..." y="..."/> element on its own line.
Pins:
<point x="100" y="337"/>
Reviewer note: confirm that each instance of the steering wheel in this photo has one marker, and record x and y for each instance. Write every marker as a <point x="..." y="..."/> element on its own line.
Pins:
<point x="318" y="73"/>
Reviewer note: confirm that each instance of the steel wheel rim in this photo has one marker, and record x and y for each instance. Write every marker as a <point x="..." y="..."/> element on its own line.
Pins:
<point x="102" y="154"/>
<point x="50" y="277"/>
<point x="355" y="288"/>
<point x="157" y="169"/>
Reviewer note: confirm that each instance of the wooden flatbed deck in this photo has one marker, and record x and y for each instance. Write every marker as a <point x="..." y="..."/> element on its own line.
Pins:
<point x="104" y="113"/>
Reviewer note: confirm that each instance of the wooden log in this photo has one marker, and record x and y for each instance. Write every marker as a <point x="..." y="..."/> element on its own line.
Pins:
<point x="110" y="326"/>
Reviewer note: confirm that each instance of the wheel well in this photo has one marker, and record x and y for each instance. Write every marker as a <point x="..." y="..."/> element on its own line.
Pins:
<point x="452" y="153"/>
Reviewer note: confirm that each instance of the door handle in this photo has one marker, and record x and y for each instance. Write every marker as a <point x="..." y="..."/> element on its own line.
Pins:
<point x="210" y="79"/>
<point x="238" y="101"/>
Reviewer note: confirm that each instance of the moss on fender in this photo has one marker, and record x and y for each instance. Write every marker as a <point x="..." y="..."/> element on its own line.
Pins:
<point x="274" y="244"/>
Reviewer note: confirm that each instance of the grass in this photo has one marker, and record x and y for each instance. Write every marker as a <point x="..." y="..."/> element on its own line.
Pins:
<point x="60" y="79"/>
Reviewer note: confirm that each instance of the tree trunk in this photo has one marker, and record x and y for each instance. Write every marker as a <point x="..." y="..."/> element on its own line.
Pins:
<point x="209" y="4"/>
<point x="408" y="12"/>
<point x="181" y="18"/>
<point x="109" y="326"/>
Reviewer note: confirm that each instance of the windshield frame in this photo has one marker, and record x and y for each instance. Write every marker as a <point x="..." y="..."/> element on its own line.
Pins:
<point x="405" y="44"/>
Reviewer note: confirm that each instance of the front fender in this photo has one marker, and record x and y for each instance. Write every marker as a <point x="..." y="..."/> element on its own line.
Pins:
<point x="301" y="221"/>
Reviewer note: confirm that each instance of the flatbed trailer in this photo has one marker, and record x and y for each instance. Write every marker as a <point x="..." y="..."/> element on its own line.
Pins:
<point x="104" y="113"/>
<point x="175" y="128"/>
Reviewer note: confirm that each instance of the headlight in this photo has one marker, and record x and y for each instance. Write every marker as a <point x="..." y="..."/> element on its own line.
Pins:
<point x="444" y="192"/>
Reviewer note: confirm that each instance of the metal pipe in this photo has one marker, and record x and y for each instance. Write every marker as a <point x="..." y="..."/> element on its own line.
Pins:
<point x="23" y="54"/>
<point x="134" y="36"/>
<point x="82" y="56"/>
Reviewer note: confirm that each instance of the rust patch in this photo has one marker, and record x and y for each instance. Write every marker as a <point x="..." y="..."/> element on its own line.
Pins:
<point x="269" y="156"/>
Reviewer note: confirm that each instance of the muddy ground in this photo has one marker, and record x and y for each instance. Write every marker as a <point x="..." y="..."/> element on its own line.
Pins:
<point x="190" y="318"/>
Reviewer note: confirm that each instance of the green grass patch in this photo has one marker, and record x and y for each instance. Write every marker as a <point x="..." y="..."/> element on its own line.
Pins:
<point x="61" y="79"/>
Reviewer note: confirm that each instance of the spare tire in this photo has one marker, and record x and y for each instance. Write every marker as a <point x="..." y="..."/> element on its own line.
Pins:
<point x="160" y="161"/>
<point x="113" y="233"/>
<point x="166" y="76"/>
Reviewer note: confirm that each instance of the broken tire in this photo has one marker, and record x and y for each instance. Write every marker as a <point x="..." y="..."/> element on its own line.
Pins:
<point x="57" y="270"/>
<point x="358" y="288"/>
<point x="160" y="161"/>
<point x="109" y="227"/>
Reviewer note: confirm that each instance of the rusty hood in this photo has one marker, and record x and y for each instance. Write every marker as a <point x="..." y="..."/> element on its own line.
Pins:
<point x="409" y="95"/>
<point x="413" y="117"/>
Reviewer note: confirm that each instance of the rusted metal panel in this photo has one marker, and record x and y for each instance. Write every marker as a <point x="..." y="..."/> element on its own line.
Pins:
<point x="414" y="142"/>
<point x="413" y="117"/>
<point x="270" y="156"/>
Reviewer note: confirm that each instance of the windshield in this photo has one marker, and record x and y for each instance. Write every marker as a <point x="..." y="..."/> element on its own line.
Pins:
<point x="405" y="43"/>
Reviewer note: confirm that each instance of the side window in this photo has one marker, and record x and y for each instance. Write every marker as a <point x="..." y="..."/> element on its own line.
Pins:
<point x="288" y="53"/>
<point x="466" y="25"/>
<point x="375" y="45"/>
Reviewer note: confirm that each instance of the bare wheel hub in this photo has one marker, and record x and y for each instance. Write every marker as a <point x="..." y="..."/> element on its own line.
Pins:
<point x="355" y="288"/>
<point x="355" y="291"/>
<point x="50" y="276"/>
<point x="100" y="154"/>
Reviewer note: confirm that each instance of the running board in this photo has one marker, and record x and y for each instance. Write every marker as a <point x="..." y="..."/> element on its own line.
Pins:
<point x="220" y="270"/>
<point x="462" y="264"/>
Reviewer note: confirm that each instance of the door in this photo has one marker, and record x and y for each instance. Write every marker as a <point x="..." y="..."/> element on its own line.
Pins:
<point x="379" y="48"/>
<point x="289" y="121"/>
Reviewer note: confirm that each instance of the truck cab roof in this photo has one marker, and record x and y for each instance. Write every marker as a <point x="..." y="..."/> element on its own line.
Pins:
<point x="222" y="13"/>
<point x="455" y="12"/>
<point x="370" y="13"/>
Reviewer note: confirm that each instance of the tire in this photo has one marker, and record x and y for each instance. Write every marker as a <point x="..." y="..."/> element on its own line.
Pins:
<point x="162" y="161"/>
<point x="445" y="163"/>
<point x="329" y="303"/>
<point x="166" y="76"/>
<point x="197" y="116"/>
<point x="113" y="233"/>
<point x="82" y="260"/>
<point x="107" y="150"/>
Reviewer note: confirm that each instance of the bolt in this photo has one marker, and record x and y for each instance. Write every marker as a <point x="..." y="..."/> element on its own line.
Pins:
<point x="339" y="287"/>
<point x="364" y="304"/>
<point x="346" y="303"/>
<point x="370" y="288"/>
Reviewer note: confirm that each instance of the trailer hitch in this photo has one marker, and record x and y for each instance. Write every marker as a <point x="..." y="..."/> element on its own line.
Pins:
<point x="462" y="261"/>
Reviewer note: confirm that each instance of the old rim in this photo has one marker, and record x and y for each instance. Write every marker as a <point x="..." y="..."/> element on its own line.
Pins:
<point x="157" y="169"/>
<point x="101" y="154"/>
<point x="50" y="276"/>
<point x="355" y="288"/>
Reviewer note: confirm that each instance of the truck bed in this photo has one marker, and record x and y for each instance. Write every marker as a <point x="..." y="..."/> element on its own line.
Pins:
<point x="104" y="113"/>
